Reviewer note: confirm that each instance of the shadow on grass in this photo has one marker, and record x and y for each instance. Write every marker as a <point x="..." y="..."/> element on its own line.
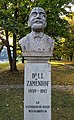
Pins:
<point x="11" y="104"/>
<point x="15" y="77"/>
<point x="62" y="105"/>
<point x="61" y="75"/>
<point x="12" y="108"/>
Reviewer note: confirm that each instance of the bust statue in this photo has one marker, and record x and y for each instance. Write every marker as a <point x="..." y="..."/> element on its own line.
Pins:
<point x="37" y="43"/>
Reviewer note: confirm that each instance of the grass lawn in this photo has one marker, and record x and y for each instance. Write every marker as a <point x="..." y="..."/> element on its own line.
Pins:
<point x="4" y="65"/>
<point x="15" y="77"/>
<point x="11" y="105"/>
<point x="61" y="74"/>
<point x="11" y="100"/>
<point x="62" y="105"/>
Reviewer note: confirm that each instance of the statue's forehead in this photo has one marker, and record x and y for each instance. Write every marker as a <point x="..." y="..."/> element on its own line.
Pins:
<point x="38" y="9"/>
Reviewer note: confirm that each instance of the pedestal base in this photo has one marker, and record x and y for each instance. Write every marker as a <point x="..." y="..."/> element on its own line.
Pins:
<point x="37" y="91"/>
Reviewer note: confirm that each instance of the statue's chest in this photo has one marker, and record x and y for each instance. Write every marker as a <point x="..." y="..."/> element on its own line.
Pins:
<point x="39" y="44"/>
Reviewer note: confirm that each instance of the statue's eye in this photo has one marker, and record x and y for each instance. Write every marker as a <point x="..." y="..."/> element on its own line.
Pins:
<point x="34" y="14"/>
<point x="42" y="14"/>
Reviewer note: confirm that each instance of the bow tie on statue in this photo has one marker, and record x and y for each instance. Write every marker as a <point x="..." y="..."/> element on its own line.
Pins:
<point x="37" y="35"/>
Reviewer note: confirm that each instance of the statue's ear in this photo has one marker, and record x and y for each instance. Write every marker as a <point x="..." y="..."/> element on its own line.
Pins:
<point x="28" y="22"/>
<point x="45" y="24"/>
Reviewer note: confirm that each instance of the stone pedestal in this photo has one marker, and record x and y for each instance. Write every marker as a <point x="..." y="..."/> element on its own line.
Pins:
<point x="37" y="90"/>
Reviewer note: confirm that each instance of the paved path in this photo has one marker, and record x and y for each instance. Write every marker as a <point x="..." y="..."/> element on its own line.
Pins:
<point x="63" y="87"/>
<point x="57" y="87"/>
<point x="69" y="66"/>
<point x="11" y="86"/>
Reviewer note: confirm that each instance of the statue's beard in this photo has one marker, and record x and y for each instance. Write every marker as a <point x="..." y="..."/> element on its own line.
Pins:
<point x="38" y="27"/>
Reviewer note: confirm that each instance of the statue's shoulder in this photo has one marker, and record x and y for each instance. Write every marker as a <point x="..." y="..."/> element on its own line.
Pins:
<point x="24" y="39"/>
<point x="28" y="36"/>
<point x="48" y="37"/>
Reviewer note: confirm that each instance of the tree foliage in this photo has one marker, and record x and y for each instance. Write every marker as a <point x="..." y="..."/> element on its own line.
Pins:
<point x="69" y="42"/>
<point x="54" y="9"/>
<point x="14" y="19"/>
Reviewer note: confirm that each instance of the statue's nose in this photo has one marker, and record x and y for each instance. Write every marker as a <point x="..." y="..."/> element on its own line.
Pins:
<point x="38" y="15"/>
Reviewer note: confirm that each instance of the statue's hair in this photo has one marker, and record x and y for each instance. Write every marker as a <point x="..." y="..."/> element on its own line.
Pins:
<point x="37" y="8"/>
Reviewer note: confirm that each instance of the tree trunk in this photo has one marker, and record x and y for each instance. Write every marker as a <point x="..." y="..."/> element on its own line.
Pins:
<point x="71" y="56"/>
<point x="14" y="52"/>
<point x="7" y="43"/>
<point x="11" y="62"/>
<point x="14" y="40"/>
<point x="8" y="50"/>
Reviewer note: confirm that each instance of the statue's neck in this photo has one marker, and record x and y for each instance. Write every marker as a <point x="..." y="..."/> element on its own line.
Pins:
<point x="37" y="34"/>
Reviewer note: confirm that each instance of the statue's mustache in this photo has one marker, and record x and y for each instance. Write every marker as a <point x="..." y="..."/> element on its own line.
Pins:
<point x="37" y="21"/>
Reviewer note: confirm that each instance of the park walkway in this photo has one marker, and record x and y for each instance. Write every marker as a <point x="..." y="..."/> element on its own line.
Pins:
<point x="69" y="66"/>
<point x="57" y="87"/>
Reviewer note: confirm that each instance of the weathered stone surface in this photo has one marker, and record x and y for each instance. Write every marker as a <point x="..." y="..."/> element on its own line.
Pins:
<point x="37" y="92"/>
<point x="37" y="43"/>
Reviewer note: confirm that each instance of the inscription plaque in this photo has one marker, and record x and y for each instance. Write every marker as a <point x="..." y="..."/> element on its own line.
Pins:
<point x="37" y="92"/>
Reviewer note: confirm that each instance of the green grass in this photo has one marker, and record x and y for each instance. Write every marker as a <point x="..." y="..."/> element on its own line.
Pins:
<point x="15" y="77"/>
<point x="8" y="77"/>
<point x="72" y="65"/>
<point x="62" y="105"/>
<point x="11" y="105"/>
<point x="11" y="100"/>
<point x="4" y="65"/>
<point x="62" y="75"/>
